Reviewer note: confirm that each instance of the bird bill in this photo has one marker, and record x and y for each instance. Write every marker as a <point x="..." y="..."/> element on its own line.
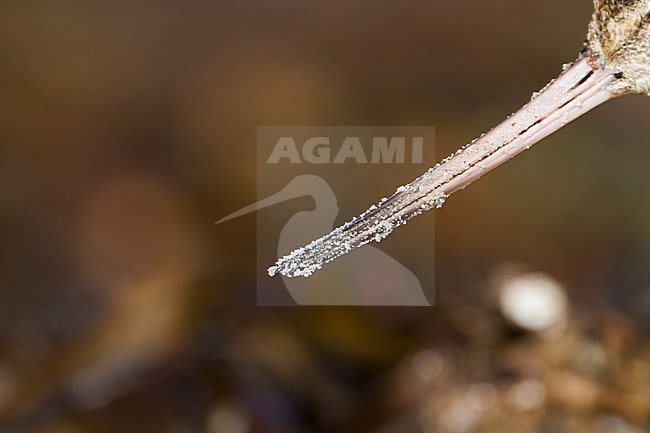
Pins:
<point x="583" y="85"/>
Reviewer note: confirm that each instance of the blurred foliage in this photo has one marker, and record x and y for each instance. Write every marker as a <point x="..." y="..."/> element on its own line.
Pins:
<point x="128" y="128"/>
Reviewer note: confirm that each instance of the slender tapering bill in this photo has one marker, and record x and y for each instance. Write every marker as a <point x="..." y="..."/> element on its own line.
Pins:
<point x="581" y="87"/>
<point x="616" y="61"/>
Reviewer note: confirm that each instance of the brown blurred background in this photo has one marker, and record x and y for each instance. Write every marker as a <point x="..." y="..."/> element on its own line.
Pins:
<point x="128" y="128"/>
